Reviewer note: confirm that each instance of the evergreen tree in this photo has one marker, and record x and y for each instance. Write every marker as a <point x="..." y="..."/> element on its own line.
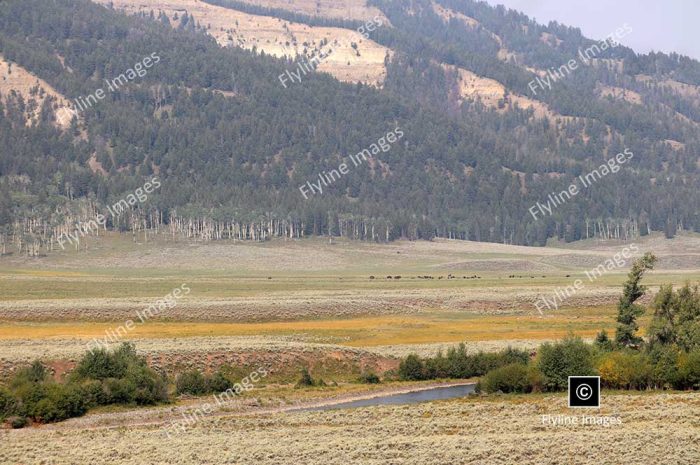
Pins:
<point x="627" y="310"/>
<point x="603" y="341"/>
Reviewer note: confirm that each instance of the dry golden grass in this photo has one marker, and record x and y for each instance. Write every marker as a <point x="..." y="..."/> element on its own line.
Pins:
<point x="493" y="94"/>
<point x="472" y="347"/>
<point x="619" y="93"/>
<point x="357" y="332"/>
<point x="283" y="356"/>
<point x="14" y="78"/>
<point x="278" y="37"/>
<point x="675" y="145"/>
<point x="657" y="428"/>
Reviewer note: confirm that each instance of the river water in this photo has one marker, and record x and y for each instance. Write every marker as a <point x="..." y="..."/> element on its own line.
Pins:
<point x="437" y="393"/>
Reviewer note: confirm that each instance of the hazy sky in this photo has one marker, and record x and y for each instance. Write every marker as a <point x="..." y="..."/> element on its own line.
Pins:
<point x="660" y="25"/>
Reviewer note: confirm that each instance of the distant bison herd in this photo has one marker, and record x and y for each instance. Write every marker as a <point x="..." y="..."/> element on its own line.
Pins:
<point x="451" y="276"/>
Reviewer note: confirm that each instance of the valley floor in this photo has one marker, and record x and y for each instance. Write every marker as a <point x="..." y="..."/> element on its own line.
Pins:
<point x="655" y="428"/>
<point x="360" y="306"/>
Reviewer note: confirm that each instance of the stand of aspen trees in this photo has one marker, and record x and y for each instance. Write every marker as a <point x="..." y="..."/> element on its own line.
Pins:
<point x="37" y="236"/>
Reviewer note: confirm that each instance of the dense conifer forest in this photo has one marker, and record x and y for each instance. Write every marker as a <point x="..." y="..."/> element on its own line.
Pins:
<point x="232" y="146"/>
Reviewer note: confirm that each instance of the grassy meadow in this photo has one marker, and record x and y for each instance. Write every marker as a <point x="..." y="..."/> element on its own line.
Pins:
<point x="339" y="292"/>
<point x="339" y="308"/>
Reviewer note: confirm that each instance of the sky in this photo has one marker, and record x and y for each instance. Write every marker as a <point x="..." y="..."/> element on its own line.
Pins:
<point x="659" y="25"/>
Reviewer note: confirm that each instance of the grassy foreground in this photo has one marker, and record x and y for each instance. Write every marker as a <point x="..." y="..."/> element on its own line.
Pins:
<point x="659" y="428"/>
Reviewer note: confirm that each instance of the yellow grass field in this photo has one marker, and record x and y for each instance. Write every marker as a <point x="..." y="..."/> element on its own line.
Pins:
<point x="354" y="332"/>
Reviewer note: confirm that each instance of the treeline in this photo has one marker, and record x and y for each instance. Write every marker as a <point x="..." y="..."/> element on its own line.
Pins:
<point x="669" y="357"/>
<point x="288" y="15"/>
<point x="458" y="364"/>
<point x="232" y="146"/>
<point x="514" y="371"/>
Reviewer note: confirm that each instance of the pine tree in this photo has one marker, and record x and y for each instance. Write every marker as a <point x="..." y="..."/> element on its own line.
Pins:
<point x="627" y="310"/>
<point x="602" y="341"/>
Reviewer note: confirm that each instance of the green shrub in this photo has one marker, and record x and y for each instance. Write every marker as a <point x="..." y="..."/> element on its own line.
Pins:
<point x="28" y="396"/>
<point x="664" y="361"/>
<point x="481" y="363"/>
<point x="100" y="378"/>
<point x="458" y="364"/>
<point x="436" y="367"/>
<point x="117" y="391"/>
<point x="558" y="361"/>
<point x="7" y="403"/>
<point x="411" y="368"/>
<point x="100" y="364"/>
<point x="18" y="422"/>
<point x="123" y="376"/>
<point x="61" y="402"/>
<point x="191" y="382"/>
<point x="218" y="382"/>
<point x="603" y="341"/>
<point x="195" y="383"/>
<point x="535" y="379"/>
<point x="510" y="355"/>
<point x="36" y="373"/>
<point x="305" y="380"/>
<point x="145" y="385"/>
<point x="510" y="378"/>
<point x="689" y="370"/>
<point x="640" y="371"/>
<point x="94" y="393"/>
<point x="369" y="377"/>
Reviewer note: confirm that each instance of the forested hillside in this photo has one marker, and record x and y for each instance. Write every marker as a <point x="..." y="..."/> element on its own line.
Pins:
<point x="231" y="145"/>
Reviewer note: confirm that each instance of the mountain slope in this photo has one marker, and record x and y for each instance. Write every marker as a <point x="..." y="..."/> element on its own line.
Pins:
<point x="233" y="146"/>
<point x="17" y="83"/>
<point x="351" y="57"/>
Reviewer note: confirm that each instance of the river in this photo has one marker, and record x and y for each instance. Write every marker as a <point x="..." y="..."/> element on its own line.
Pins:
<point x="426" y="395"/>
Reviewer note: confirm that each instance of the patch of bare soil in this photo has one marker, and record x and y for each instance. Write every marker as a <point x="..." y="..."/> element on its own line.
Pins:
<point x="15" y="79"/>
<point x="619" y="93"/>
<point x="351" y="57"/>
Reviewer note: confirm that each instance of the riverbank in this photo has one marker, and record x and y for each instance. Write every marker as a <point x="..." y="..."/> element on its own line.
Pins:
<point x="269" y="400"/>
